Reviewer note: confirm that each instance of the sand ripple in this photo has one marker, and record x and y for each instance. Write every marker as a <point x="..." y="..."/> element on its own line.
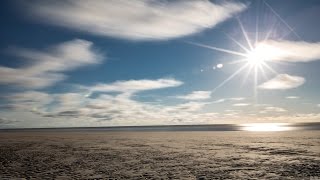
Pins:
<point x="160" y="155"/>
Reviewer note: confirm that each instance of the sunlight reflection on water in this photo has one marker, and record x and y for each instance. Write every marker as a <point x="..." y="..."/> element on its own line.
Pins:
<point x="267" y="127"/>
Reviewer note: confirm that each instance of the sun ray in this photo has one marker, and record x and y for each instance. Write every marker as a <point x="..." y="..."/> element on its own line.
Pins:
<point x="244" y="32"/>
<point x="246" y="75"/>
<point x="281" y="19"/>
<point x="238" y="43"/>
<point x="255" y="83"/>
<point x="285" y="35"/>
<point x="230" y="77"/>
<point x="262" y="70"/>
<point x="281" y="62"/>
<point x="269" y="68"/>
<point x="270" y="31"/>
<point x="257" y="26"/>
<point x="217" y="49"/>
<point x="238" y="61"/>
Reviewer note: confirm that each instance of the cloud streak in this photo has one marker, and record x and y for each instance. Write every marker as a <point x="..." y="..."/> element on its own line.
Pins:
<point x="290" y="51"/>
<point x="292" y="97"/>
<point x="228" y="99"/>
<point x="132" y="86"/>
<point x="134" y="19"/>
<point x="241" y="104"/>
<point x="283" y="81"/>
<point x="196" y="95"/>
<point x="272" y="109"/>
<point x="5" y="122"/>
<point x="44" y="68"/>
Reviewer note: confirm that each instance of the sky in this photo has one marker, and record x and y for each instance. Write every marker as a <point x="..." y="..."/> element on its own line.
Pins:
<point x="77" y="63"/>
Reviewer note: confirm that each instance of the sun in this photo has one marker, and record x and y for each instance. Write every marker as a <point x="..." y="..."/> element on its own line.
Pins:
<point x="258" y="55"/>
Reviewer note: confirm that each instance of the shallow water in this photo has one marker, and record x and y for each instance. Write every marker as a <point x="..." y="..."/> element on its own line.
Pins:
<point x="156" y="155"/>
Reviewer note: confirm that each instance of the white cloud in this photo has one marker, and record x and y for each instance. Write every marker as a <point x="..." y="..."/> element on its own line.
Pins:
<point x="5" y="122"/>
<point x="232" y="111"/>
<point x="294" y="118"/>
<point x="70" y="99"/>
<point x="121" y="109"/>
<point x="273" y="109"/>
<point x="28" y="100"/>
<point x="292" y="97"/>
<point x="44" y="68"/>
<point x="196" y="95"/>
<point x="118" y="109"/>
<point x="237" y="99"/>
<point x="134" y="19"/>
<point x="283" y="81"/>
<point x="219" y="101"/>
<point x="186" y="107"/>
<point x="131" y="86"/>
<point x="229" y="99"/>
<point x="240" y="104"/>
<point x="30" y="96"/>
<point x="290" y="51"/>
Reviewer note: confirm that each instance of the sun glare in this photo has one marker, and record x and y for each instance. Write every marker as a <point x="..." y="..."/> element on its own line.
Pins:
<point x="257" y="56"/>
<point x="262" y="53"/>
<point x="266" y="127"/>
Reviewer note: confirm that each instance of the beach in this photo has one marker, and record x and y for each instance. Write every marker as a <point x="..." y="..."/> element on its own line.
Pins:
<point x="160" y="155"/>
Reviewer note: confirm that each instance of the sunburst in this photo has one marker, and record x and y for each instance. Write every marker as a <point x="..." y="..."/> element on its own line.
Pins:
<point x="255" y="57"/>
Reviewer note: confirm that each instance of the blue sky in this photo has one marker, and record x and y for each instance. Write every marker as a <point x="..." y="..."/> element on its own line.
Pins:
<point x="146" y="62"/>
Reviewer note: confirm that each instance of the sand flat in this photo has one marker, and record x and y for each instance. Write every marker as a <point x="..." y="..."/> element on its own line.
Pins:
<point x="160" y="155"/>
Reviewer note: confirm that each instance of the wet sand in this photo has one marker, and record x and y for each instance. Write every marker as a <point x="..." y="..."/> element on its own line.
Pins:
<point x="160" y="155"/>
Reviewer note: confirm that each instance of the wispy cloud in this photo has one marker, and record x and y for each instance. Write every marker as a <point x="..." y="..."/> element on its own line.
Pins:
<point x="196" y="95"/>
<point x="229" y="99"/>
<point x="273" y="109"/>
<point x="292" y="97"/>
<point x="283" y="81"/>
<point x="120" y="108"/>
<point x="291" y="51"/>
<point x="241" y="104"/>
<point x="5" y="122"/>
<point x="46" y="67"/>
<point x="299" y="117"/>
<point x="186" y="107"/>
<point x="237" y="99"/>
<point x="219" y="101"/>
<point x="131" y="86"/>
<point x="134" y="19"/>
